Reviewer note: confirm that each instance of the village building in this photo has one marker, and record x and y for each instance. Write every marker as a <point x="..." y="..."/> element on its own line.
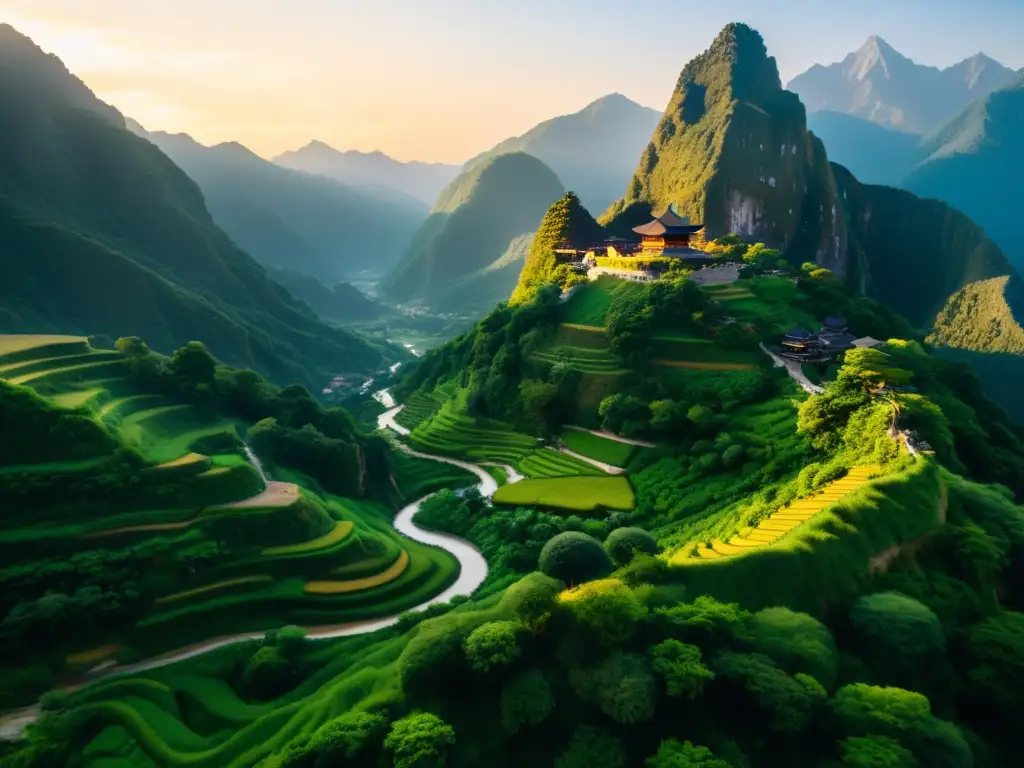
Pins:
<point x="672" y="235"/>
<point x="831" y="339"/>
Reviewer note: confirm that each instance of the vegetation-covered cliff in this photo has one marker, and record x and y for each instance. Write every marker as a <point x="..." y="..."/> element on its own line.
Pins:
<point x="732" y="151"/>
<point x="102" y="234"/>
<point x="566" y="222"/>
<point x="455" y="261"/>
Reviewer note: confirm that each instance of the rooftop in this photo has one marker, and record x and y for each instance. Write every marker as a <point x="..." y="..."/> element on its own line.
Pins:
<point x="669" y="223"/>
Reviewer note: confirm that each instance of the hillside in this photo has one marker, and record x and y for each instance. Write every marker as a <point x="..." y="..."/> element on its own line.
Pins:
<point x="459" y="259"/>
<point x="972" y="164"/>
<point x="104" y="235"/>
<point x="768" y="577"/>
<point x="338" y="302"/>
<point x="714" y="157"/>
<point x="294" y="220"/>
<point x="371" y="170"/>
<point x="592" y="151"/>
<point x="142" y="514"/>
<point x="879" y="84"/>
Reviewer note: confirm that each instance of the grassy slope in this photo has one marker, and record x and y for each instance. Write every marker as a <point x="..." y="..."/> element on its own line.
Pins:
<point x="252" y="587"/>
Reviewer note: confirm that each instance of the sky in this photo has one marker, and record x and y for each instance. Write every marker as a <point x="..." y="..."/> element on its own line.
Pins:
<point x="442" y="80"/>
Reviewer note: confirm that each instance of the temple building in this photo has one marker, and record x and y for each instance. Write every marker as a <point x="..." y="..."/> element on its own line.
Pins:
<point x="671" y="235"/>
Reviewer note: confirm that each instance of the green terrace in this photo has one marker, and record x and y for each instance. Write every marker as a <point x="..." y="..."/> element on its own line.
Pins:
<point x="204" y="545"/>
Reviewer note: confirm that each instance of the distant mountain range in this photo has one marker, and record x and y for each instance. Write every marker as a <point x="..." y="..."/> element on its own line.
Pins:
<point x="101" y="233"/>
<point x="374" y="170"/>
<point x="973" y="162"/>
<point x="468" y="253"/>
<point x="592" y="151"/>
<point x="293" y="220"/>
<point x="879" y="84"/>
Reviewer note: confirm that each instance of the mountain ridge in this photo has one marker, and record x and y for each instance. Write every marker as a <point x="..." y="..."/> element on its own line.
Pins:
<point x="880" y="84"/>
<point x="421" y="180"/>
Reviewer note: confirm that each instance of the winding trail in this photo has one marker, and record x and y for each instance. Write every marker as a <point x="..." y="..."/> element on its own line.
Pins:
<point x="472" y="572"/>
<point x="610" y="436"/>
<point x="611" y="469"/>
<point x="794" y="370"/>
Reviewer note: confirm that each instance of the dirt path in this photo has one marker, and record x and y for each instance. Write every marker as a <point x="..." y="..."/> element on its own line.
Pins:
<point x="795" y="372"/>
<point x="611" y="470"/>
<point x="387" y="421"/>
<point x="611" y="436"/>
<point x="276" y="494"/>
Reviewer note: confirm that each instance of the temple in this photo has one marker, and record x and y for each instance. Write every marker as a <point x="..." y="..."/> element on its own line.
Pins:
<point x="671" y="235"/>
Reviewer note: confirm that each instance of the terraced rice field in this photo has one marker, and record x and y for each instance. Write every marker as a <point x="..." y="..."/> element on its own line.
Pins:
<point x="357" y="585"/>
<point x="457" y="434"/>
<point x="681" y="350"/>
<point x="549" y="463"/>
<point x="782" y="522"/>
<point x="420" y="407"/>
<point x="598" y="448"/>
<point x="576" y="494"/>
<point x="589" y="304"/>
<point x="253" y="584"/>
<point x="602" y="362"/>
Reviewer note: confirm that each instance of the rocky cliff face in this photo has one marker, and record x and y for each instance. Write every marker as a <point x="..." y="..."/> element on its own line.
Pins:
<point x="733" y="151"/>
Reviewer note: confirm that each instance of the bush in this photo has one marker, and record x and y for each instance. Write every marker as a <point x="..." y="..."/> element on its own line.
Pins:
<point x="268" y="674"/>
<point x="672" y="754"/>
<point x="899" y="637"/>
<point x="526" y="701"/>
<point x="342" y="741"/>
<point x="419" y="740"/>
<point x="680" y="666"/>
<point x="493" y="645"/>
<point x="608" y="609"/>
<point x="623" y="544"/>
<point x="592" y="748"/>
<point x="797" y="643"/>
<point x="532" y="599"/>
<point x="574" y="558"/>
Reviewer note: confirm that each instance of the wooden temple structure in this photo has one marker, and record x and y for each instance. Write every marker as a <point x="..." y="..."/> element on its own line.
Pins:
<point x="671" y="235"/>
<point x="833" y="337"/>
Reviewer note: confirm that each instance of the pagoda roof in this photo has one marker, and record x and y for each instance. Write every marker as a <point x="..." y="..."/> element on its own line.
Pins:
<point x="669" y="223"/>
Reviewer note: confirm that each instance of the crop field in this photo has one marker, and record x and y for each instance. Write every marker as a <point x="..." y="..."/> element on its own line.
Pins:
<point x="598" y="448"/>
<point x="771" y="299"/>
<point x="548" y="463"/>
<point x="417" y="477"/>
<point x="453" y="433"/>
<point x="420" y="407"/>
<point x="590" y="302"/>
<point x="773" y="528"/>
<point x="576" y="494"/>
<point x="601" y="362"/>
<point x="578" y="335"/>
<point x="271" y="542"/>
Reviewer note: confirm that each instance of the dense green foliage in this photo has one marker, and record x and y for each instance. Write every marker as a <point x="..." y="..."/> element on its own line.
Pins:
<point x="88" y="210"/>
<point x="566" y="223"/>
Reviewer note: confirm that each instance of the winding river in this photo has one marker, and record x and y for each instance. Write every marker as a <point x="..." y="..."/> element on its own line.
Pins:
<point x="472" y="572"/>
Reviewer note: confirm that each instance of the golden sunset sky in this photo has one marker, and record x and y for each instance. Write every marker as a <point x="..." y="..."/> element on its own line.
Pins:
<point x="445" y="79"/>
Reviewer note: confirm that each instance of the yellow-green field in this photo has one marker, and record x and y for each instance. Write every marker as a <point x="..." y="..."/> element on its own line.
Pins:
<point x="578" y="494"/>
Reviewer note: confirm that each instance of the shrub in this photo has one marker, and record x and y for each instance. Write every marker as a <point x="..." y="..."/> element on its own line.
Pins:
<point x="623" y="544"/>
<point x="592" y="747"/>
<point x="419" y="740"/>
<point x="606" y="608"/>
<point x="680" y="666"/>
<point x="268" y="673"/>
<point x="526" y="701"/>
<point x="797" y="643"/>
<point x="532" y="598"/>
<point x="347" y="738"/>
<point x="672" y="754"/>
<point x="493" y="645"/>
<point x="899" y="637"/>
<point x="574" y="557"/>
